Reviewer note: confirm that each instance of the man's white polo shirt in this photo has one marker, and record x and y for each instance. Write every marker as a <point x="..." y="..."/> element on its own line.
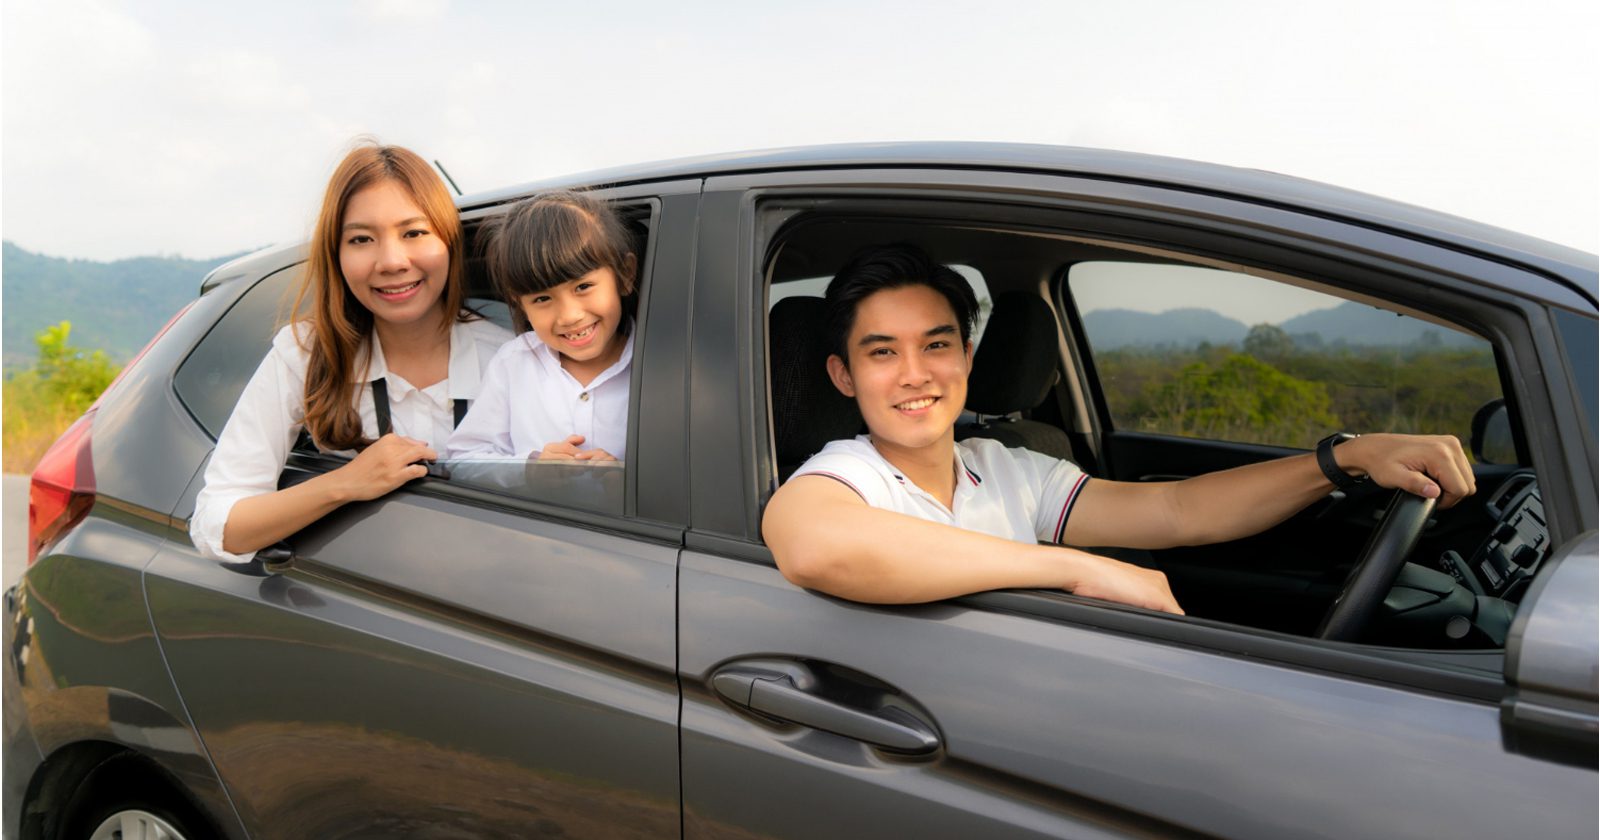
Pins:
<point x="1010" y="493"/>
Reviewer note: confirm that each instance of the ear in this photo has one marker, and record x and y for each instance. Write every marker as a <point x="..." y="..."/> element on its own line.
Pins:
<point x="839" y="372"/>
<point x="630" y="270"/>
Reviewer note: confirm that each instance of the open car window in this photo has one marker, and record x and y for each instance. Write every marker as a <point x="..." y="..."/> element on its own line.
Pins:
<point x="1161" y="369"/>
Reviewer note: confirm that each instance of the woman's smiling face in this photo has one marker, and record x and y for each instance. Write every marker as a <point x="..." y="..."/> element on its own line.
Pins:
<point x="392" y="259"/>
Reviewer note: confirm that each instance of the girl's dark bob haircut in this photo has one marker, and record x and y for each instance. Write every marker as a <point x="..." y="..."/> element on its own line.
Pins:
<point x="552" y="238"/>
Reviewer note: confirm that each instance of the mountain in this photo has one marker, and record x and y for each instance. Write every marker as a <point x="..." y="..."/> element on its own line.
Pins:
<point x="1112" y="328"/>
<point x="113" y="306"/>
<point x="1348" y="323"/>
<point x="1357" y="323"/>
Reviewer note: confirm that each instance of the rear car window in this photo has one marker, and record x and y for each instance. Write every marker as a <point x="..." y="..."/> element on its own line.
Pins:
<point x="210" y="381"/>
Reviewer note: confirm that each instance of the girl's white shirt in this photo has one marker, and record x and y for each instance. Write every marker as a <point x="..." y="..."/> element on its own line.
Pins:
<point x="256" y="441"/>
<point x="528" y="401"/>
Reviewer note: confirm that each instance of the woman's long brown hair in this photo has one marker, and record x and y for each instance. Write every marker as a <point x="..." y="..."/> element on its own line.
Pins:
<point x="339" y="325"/>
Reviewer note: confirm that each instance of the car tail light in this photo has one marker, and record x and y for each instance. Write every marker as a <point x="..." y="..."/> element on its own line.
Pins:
<point x="62" y="489"/>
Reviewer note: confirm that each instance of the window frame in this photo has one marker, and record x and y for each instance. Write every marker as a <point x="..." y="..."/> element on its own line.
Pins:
<point x="626" y="518"/>
<point x="1474" y="289"/>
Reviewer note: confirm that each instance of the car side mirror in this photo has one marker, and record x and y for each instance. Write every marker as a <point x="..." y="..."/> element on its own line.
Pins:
<point x="1491" y="434"/>
<point x="1550" y="707"/>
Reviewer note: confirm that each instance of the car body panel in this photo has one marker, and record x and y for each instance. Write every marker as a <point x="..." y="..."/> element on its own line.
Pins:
<point x="546" y="696"/>
<point x="91" y="669"/>
<point x="1099" y="729"/>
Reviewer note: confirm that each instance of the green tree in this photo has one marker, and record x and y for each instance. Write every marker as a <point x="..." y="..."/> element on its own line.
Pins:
<point x="42" y="400"/>
<point x="1243" y="399"/>
<point x="65" y="377"/>
<point x="1268" y="343"/>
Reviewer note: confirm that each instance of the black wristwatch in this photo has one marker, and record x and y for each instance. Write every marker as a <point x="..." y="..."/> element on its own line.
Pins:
<point x="1330" y="468"/>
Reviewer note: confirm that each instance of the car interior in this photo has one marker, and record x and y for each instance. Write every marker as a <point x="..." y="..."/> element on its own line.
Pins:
<point x="1033" y="384"/>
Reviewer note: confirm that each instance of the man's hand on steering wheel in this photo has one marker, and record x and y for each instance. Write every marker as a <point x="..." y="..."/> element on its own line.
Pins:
<point x="1425" y="465"/>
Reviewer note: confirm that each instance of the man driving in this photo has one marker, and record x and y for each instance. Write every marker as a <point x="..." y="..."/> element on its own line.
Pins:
<point x="907" y="514"/>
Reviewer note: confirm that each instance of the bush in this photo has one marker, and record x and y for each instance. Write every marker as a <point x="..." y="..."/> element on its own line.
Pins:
<point x="42" y="401"/>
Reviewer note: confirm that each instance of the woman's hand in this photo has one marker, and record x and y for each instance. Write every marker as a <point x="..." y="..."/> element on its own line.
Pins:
<point x="595" y="455"/>
<point x="388" y="463"/>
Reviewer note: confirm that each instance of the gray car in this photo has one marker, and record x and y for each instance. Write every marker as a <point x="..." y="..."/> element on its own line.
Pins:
<point x="509" y="649"/>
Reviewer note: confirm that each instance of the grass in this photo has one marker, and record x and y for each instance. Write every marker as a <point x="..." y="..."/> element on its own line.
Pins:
<point x="32" y="422"/>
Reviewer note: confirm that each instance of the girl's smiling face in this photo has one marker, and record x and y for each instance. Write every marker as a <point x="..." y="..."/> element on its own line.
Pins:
<point x="581" y="320"/>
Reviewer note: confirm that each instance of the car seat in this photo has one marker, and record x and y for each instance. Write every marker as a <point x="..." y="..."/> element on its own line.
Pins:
<point x="807" y="410"/>
<point x="1013" y="371"/>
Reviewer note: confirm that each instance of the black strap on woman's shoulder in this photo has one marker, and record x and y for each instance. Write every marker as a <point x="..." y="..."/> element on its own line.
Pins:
<point x="380" y="407"/>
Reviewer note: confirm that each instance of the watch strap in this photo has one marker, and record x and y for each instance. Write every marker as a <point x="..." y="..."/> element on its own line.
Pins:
<point x="1330" y="467"/>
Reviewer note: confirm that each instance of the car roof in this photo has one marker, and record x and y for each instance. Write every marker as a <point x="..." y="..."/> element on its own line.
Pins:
<point x="1571" y="267"/>
<point x="1577" y="268"/>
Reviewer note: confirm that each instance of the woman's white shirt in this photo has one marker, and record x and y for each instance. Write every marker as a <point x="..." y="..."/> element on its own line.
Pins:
<point x="529" y="400"/>
<point x="256" y="441"/>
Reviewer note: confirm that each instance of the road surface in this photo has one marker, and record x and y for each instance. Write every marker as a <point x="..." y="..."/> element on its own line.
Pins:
<point x="14" y="525"/>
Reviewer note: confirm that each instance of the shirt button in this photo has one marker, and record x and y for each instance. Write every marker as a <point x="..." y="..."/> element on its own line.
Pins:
<point x="584" y="396"/>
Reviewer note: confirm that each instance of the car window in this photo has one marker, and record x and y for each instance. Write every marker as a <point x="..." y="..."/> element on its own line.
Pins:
<point x="211" y="379"/>
<point x="588" y="485"/>
<point x="1208" y="353"/>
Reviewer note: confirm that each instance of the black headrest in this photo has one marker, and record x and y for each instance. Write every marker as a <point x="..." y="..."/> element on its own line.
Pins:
<point x="1016" y="362"/>
<point x="807" y="411"/>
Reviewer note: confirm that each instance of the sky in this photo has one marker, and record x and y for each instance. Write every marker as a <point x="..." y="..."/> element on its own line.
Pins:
<point x="202" y="129"/>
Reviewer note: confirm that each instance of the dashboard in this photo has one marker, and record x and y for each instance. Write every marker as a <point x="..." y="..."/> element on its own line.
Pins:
<point x="1504" y="563"/>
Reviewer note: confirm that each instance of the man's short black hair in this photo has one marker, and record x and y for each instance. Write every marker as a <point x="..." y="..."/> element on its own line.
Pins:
<point x="878" y="267"/>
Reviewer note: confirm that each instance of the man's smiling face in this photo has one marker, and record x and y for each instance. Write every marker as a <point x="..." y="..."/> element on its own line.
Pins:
<point x="907" y="367"/>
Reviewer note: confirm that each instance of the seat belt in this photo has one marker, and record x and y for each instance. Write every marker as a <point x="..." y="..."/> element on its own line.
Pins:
<point x="380" y="407"/>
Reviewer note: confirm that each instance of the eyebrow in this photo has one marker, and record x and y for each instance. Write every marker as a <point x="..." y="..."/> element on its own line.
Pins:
<point x="875" y="338"/>
<point x="364" y="226"/>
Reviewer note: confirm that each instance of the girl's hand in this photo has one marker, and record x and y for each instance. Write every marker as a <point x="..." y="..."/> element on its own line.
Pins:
<point x="595" y="455"/>
<point x="561" y="450"/>
<point x="388" y="463"/>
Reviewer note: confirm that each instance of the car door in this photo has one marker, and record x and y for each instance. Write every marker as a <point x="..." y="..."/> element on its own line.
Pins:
<point x="1037" y="713"/>
<point x="462" y="657"/>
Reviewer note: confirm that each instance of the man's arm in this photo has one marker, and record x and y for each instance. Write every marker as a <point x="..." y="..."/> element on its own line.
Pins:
<point x="1228" y="505"/>
<point x="825" y="537"/>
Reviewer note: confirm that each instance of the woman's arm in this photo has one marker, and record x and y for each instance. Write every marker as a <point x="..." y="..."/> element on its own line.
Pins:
<point x="239" y="510"/>
<point x="824" y="537"/>
<point x="1232" y="504"/>
<point x="259" y="521"/>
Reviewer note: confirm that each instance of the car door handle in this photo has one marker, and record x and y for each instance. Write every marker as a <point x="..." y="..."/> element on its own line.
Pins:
<point x="777" y="695"/>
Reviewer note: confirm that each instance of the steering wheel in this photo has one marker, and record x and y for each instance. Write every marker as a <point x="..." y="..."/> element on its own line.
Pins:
<point x="1386" y="552"/>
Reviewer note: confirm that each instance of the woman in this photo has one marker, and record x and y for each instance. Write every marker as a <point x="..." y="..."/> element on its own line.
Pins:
<point x="383" y="367"/>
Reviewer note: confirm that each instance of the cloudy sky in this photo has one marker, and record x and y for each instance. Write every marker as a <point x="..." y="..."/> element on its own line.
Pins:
<point x="199" y="129"/>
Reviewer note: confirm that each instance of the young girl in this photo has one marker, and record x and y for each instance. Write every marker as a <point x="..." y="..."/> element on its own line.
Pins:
<point x="564" y="263"/>
<point x="381" y="369"/>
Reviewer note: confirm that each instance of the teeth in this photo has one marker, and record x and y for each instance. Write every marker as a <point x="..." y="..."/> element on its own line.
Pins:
<point x="399" y="290"/>
<point x="581" y="334"/>
<point x="916" y="404"/>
